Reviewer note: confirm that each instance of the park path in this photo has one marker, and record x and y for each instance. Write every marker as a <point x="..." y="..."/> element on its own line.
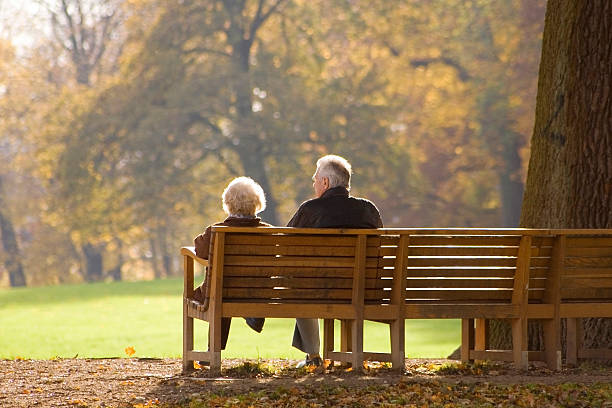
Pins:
<point x="130" y="382"/>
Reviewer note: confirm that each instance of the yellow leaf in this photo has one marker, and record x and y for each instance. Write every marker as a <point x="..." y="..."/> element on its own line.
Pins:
<point x="196" y="365"/>
<point x="130" y="351"/>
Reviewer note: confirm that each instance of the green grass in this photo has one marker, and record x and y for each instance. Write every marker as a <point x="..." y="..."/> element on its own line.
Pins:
<point x="102" y="319"/>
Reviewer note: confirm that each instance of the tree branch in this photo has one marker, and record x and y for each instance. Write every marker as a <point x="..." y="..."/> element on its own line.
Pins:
<point x="424" y="62"/>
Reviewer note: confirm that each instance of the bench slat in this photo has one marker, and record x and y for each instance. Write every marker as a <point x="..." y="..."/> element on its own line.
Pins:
<point x="588" y="242"/>
<point x="456" y="283"/>
<point x="599" y="262"/>
<point x="300" y="283"/>
<point x="461" y="251"/>
<point x="322" y="295"/>
<point x="421" y="240"/>
<point x="502" y="272"/>
<point x="457" y="294"/>
<point x="301" y="272"/>
<point x="259" y="239"/>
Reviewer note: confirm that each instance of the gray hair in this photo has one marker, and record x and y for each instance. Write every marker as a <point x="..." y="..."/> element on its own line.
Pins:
<point x="337" y="170"/>
<point x="243" y="196"/>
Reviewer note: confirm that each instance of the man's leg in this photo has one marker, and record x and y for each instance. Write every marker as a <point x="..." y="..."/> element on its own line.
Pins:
<point x="306" y="336"/>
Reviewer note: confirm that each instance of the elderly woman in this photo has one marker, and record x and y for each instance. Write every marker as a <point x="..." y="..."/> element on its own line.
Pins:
<point x="243" y="198"/>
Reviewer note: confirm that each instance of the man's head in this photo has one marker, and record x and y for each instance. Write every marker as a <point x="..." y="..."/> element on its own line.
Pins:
<point x="243" y="196"/>
<point x="332" y="171"/>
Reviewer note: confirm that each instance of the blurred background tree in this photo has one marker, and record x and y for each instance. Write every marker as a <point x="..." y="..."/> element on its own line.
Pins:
<point x="124" y="120"/>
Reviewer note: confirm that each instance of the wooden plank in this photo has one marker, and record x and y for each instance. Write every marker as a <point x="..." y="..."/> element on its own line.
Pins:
<point x="540" y="311"/>
<point x="588" y="242"/>
<point x="358" y="299"/>
<point x="587" y="309"/>
<point x="552" y="296"/>
<point x="572" y="342"/>
<point x="454" y="262"/>
<point x="295" y="283"/>
<point x="187" y="319"/>
<point x="520" y="297"/>
<point x="296" y="272"/>
<point x="481" y="334"/>
<point x="502" y="272"/>
<point x="215" y="310"/>
<point x="190" y="252"/>
<point x="458" y="294"/>
<point x="285" y="240"/>
<point x="590" y="252"/>
<point x="458" y="311"/>
<point x="586" y="294"/>
<point x="540" y="251"/>
<point x="289" y="310"/>
<point x="456" y="283"/>
<point x="303" y="250"/>
<point x="538" y="272"/>
<point x="398" y="296"/>
<point x="587" y="272"/>
<point x="510" y="241"/>
<point x="473" y="251"/>
<point x="581" y="262"/>
<point x="582" y="282"/>
<point x="294" y="250"/>
<point x="467" y="338"/>
<point x="315" y="295"/>
<point x="302" y="261"/>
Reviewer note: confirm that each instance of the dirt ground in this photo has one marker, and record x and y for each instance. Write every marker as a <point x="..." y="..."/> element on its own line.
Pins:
<point x="150" y="382"/>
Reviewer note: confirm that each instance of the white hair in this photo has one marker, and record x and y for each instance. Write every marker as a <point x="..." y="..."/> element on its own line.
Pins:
<point x="243" y="196"/>
<point x="337" y="170"/>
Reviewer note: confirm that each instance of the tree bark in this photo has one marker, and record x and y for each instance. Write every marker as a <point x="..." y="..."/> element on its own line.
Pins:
<point x="249" y="147"/>
<point x="569" y="182"/>
<point x="12" y="261"/>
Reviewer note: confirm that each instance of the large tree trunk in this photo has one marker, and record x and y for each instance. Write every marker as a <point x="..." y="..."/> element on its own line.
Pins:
<point x="569" y="183"/>
<point x="12" y="262"/>
<point x="250" y="148"/>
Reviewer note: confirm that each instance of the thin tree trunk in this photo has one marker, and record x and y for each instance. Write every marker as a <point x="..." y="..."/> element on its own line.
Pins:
<point x="12" y="261"/>
<point x="93" y="262"/>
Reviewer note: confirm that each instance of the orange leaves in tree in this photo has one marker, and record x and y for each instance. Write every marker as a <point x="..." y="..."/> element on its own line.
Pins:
<point x="130" y="351"/>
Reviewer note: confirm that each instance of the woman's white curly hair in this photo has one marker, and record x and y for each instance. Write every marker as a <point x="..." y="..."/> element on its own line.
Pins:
<point x="243" y="196"/>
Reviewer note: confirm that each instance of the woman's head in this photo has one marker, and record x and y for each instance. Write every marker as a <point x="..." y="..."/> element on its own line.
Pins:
<point x="243" y="196"/>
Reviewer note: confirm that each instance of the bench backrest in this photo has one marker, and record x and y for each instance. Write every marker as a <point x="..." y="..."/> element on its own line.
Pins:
<point x="285" y="265"/>
<point x="587" y="268"/>
<point x="462" y="267"/>
<point x="267" y="265"/>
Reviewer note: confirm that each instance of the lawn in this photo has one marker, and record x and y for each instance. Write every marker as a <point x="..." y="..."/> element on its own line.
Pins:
<point x="103" y="319"/>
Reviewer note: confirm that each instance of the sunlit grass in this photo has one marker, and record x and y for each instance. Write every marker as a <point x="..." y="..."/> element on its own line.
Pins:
<point x="102" y="319"/>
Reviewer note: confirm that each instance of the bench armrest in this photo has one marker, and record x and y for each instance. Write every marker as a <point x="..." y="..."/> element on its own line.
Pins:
<point x="190" y="252"/>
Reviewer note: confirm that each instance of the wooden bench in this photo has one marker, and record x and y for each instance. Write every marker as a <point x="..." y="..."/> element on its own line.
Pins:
<point x="395" y="274"/>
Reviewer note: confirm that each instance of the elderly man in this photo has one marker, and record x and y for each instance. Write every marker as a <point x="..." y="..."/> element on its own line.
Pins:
<point x="333" y="207"/>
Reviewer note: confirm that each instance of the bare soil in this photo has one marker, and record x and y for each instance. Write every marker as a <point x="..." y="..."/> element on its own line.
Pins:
<point x="153" y="382"/>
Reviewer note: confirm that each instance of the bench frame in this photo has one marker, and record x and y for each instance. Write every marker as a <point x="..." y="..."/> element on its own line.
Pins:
<point x="549" y="307"/>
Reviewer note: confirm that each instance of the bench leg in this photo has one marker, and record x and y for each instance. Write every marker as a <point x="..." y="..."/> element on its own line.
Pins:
<point x="328" y="337"/>
<point x="519" y="344"/>
<point x="187" y="340"/>
<point x="357" y="344"/>
<point x="345" y="336"/>
<point x="573" y="340"/>
<point x="214" y="345"/>
<point x="398" y="344"/>
<point x="467" y="339"/>
<point x="552" y="343"/>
